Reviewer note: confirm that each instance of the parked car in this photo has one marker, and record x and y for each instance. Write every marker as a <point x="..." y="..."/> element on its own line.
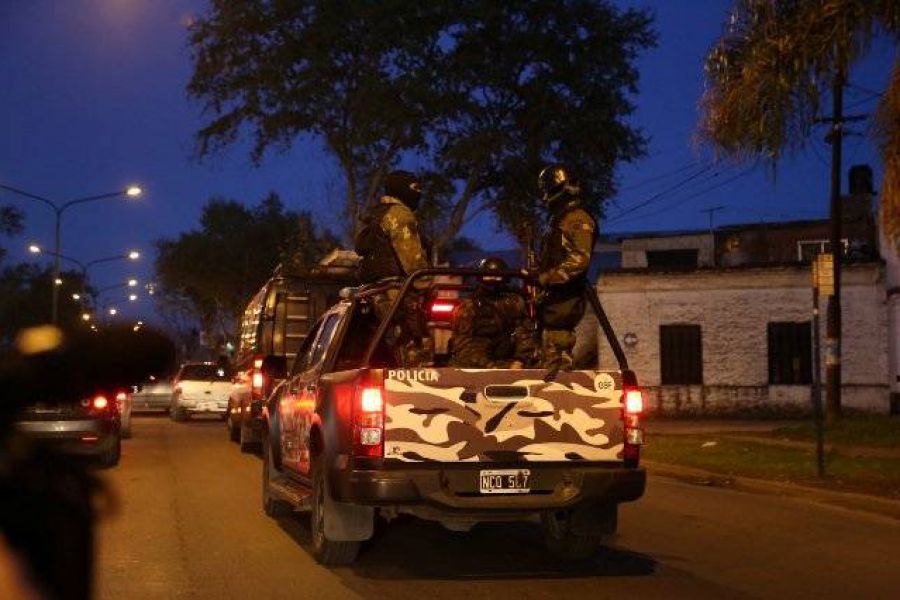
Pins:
<point x="200" y="387"/>
<point x="273" y="326"/>
<point x="350" y="432"/>
<point x="90" y="426"/>
<point x="152" y="395"/>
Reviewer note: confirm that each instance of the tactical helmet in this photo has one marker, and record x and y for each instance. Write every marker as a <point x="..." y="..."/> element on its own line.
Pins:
<point x="403" y="186"/>
<point x="554" y="180"/>
<point x="492" y="263"/>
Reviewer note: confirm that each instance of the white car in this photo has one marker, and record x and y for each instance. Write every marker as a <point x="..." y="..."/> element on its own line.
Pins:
<point x="200" y="387"/>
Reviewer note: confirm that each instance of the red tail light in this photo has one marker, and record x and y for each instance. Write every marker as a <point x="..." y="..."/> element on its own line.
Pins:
<point x="257" y="379"/>
<point x="100" y="402"/>
<point x="442" y="311"/>
<point x="633" y="407"/>
<point x="368" y="421"/>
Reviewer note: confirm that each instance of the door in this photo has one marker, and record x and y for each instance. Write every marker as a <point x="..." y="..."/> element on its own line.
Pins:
<point x="302" y="395"/>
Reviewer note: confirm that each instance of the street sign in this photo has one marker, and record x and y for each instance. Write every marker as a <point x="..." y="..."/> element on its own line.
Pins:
<point x="823" y="274"/>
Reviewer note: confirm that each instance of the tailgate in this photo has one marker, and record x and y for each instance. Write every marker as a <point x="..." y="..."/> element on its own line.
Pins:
<point x="497" y="415"/>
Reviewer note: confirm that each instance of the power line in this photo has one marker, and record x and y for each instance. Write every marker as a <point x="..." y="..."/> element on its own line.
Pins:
<point x="686" y="198"/>
<point x="658" y="195"/>
<point x="665" y="175"/>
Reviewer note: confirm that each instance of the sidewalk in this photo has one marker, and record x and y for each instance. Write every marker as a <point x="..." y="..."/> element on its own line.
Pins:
<point x="756" y="432"/>
<point x="703" y="426"/>
<point x="848" y="500"/>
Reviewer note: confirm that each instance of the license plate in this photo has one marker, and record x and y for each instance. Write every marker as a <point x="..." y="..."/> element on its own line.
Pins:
<point x="505" y="481"/>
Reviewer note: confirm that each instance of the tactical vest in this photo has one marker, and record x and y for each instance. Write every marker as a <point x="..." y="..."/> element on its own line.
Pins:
<point x="553" y="252"/>
<point x="374" y="245"/>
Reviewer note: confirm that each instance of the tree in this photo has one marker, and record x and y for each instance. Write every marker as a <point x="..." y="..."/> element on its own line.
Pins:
<point x="10" y="223"/>
<point x="25" y="299"/>
<point x="215" y="270"/>
<point x="532" y="83"/>
<point x="482" y="93"/>
<point x="767" y="78"/>
<point x="355" y="74"/>
<point x="769" y="74"/>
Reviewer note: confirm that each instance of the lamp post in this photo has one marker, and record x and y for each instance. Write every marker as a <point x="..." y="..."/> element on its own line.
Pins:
<point x="58" y="209"/>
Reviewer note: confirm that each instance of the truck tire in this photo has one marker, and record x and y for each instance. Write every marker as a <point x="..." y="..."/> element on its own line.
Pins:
<point x="567" y="542"/>
<point x="245" y="439"/>
<point x="272" y="506"/>
<point x="234" y="433"/>
<point x="110" y="457"/>
<point x="326" y="551"/>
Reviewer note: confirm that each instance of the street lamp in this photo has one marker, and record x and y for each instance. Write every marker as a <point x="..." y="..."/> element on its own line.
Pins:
<point x="132" y="282"/>
<point x="132" y="191"/>
<point x="86" y="316"/>
<point x="132" y="297"/>
<point x="132" y="255"/>
<point x="76" y="297"/>
<point x="113" y="311"/>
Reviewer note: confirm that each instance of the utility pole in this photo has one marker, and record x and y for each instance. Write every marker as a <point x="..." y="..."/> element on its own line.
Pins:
<point x="833" y="311"/>
<point x="712" y="236"/>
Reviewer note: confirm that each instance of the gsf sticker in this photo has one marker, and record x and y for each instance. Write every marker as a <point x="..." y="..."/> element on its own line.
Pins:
<point x="604" y="382"/>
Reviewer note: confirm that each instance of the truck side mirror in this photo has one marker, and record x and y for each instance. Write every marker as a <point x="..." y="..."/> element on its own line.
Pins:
<point x="274" y="367"/>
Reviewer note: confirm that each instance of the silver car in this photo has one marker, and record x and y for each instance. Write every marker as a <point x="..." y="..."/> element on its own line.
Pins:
<point x="153" y="395"/>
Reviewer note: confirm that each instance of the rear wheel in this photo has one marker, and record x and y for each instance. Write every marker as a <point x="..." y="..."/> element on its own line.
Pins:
<point x="234" y="433"/>
<point x="327" y="551"/>
<point x="245" y="439"/>
<point x="567" y="541"/>
<point x="271" y="506"/>
<point x="111" y="456"/>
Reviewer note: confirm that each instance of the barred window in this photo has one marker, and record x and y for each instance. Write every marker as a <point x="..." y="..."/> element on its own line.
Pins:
<point x="790" y="353"/>
<point x="681" y="355"/>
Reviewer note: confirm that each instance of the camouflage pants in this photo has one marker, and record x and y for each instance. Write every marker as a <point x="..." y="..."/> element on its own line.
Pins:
<point x="407" y="338"/>
<point x="556" y="349"/>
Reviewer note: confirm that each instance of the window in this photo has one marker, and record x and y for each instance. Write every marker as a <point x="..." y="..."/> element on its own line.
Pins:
<point x="672" y="258"/>
<point x="680" y="354"/>
<point x="205" y="372"/>
<point x="321" y="344"/>
<point x="363" y="324"/>
<point x="790" y="353"/>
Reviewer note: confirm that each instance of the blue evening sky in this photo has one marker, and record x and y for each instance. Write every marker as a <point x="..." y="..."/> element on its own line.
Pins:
<point x="92" y="99"/>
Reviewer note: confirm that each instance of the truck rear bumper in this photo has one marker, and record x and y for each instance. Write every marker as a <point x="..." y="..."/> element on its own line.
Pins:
<point x="457" y="489"/>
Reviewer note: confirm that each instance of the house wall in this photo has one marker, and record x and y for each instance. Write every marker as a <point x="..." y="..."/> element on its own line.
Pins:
<point x="634" y="250"/>
<point x="733" y="308"/>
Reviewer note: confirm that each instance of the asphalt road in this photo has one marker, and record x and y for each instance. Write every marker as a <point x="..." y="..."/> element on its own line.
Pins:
<point x="189" y="525"/>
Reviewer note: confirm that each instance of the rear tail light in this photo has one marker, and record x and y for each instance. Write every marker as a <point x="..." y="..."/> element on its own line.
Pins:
<point x="441" y="311"/>
<point x="99" y="402"/>
<point x="257" y="380"/>
<point x="633" y="407"/>
<point x="368" y="421"/>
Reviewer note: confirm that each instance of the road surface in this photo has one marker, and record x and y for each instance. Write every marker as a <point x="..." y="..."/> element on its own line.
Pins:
<point x="189" y="525"/>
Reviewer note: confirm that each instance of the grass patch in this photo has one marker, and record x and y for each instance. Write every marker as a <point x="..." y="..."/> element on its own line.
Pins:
<point x="875" y="431"/>
<point x="726" y="456"/>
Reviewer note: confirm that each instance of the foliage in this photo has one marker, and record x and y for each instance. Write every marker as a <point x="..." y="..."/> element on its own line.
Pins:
<point x="481" y="93"/>
<point x="10" y="223"/>
<point x="768" y="74"/>
<point x="214" y="270"/>
<point x="25" y="299"/>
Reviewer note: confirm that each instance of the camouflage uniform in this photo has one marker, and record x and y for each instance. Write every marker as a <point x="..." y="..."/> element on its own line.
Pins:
<point x="491" y="329"/>
<point x="565" y="256"/>
<point x="390" y="248"/>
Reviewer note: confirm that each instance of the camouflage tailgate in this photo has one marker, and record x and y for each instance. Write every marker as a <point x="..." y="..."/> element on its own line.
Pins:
<point x="444" y="415"/>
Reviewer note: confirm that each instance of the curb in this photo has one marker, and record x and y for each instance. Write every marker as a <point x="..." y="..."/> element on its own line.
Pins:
<point x="851" y="500"/>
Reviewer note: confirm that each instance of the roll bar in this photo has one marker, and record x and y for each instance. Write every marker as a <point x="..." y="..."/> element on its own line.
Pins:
<point x="589" y="292"/>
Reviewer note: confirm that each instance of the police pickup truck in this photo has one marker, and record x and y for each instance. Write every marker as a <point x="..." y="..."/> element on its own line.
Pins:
<point x="351" y="435"/>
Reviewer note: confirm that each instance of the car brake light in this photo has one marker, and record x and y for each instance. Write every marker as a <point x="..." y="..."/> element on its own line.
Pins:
<point x="100" y="402"/>
<point x="258" y="380"/>
<point x="121" y="397"/>
<point x="633" y="401"/>
<point x="442" y="308"/>
<point x="368" y="422"/>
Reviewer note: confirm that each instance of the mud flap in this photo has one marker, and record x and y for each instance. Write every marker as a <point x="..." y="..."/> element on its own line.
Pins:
<point x="347" y="522"/>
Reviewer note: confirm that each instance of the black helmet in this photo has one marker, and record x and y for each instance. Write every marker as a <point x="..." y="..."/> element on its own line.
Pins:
<point x="403" y="186"/>
<point x="492" y="263"/>
<point x="554" y="180"/>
